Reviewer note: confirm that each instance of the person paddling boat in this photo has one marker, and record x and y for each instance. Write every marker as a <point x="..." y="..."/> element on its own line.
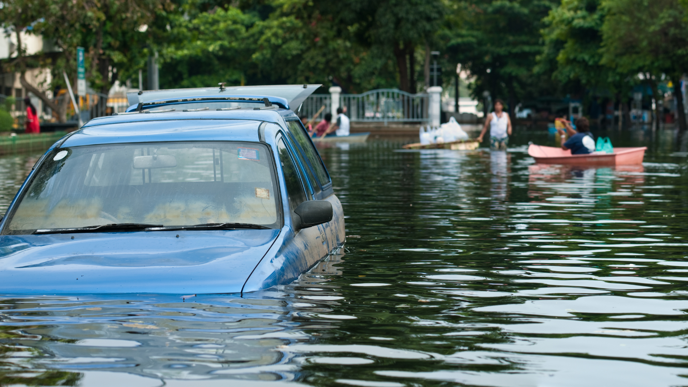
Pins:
<point x="580" y="142"/>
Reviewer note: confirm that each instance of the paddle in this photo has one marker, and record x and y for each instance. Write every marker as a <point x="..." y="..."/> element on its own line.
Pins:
<point x="315" y="116"/>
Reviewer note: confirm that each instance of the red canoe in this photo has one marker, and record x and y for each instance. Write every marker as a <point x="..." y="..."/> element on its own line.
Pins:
<point x="621" y="156"/>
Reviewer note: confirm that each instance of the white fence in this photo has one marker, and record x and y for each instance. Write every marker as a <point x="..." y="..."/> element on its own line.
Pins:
<point x="382" y="105"/>
<point x="316" y="103"/>
<point x="386" y="105"/>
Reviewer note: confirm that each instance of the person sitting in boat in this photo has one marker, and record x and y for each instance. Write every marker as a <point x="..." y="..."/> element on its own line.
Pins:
<point x="580" y="142"/>
<point x="323" y="126"/>
<point x="342" y="125"/>
<point x="306" y="123"/>
<point x="500" y="127"/>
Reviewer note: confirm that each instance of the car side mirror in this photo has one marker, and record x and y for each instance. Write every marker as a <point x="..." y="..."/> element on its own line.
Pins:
<point x="312" y="213"/>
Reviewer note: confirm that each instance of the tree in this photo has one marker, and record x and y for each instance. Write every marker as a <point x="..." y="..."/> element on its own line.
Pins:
<point x="572" y="55"/>
<point x="203" y="48"/>
<point x="109" y="30"/>
<point x="272" y="41"/>
<point x="648" y="36"/>
<point x="499" y="44"/>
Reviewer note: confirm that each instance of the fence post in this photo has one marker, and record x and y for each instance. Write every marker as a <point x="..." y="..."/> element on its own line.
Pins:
<point x="335" y="92"/>
<point x="434" y="107"/>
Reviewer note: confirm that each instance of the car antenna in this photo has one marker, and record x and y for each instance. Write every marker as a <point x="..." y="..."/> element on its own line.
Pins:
<point x="267" y="102"/>
<point x="222" y="86"/>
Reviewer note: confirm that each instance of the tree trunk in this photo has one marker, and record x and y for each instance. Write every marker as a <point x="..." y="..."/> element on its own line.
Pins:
<point x="412" y="67"/>
<point x="61" y="110"/>
<point x="426" y="68"/>
<point x="626" y="111"/>
<point x="655" y="101"/>
<point x="400" y="55"/>
<point x="679" y="104"/>
<point x="511" y="100"/>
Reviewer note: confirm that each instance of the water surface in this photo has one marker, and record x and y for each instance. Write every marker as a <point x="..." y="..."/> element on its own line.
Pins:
<point x="479" y="268"/>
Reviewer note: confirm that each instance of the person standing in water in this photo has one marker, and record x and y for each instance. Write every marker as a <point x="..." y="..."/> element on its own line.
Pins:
<point x="500" y="127"/>
<point x="32" y="124"/>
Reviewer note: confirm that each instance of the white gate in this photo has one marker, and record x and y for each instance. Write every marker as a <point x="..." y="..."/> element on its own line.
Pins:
<point x="386" y="105"/>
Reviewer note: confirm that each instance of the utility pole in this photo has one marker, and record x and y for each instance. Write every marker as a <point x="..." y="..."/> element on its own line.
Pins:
<point x="153" y="80"/>
<point x="456" y="89"/>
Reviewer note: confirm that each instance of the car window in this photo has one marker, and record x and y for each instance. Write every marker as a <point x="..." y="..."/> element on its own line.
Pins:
<point x="299" y="133"/>
<point x="295" y="190"/>
<point x="305" y="168"/>
<point x="169" y="184"/>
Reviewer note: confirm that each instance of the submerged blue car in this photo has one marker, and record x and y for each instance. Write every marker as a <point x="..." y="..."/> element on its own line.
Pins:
<point x="191" y="191"/>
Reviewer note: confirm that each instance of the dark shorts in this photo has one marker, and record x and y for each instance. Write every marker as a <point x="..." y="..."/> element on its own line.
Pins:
<point x="499" y="143"/>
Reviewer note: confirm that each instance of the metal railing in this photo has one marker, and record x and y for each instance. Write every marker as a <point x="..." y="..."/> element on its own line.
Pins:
<point x="386" y="105"/>
<point x="313" y="104"/>
<point x="90" y="106"/>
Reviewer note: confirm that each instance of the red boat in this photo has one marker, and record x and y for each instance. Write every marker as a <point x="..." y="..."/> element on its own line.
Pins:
<point x="621" y="156"/>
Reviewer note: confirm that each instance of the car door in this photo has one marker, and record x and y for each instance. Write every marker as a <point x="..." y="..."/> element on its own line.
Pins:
<point x="314" y="169"/>
<point x="307" y="245"/>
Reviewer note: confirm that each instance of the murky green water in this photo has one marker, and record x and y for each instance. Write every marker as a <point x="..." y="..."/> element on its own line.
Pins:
<point x="474" y="268"/>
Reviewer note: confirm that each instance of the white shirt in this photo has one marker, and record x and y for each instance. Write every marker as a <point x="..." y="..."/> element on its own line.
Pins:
<point x="498" y="125"/>
<point x="343" y="125"/>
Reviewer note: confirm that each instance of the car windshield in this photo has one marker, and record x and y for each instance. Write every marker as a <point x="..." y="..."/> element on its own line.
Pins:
<point x="165" y="184"/>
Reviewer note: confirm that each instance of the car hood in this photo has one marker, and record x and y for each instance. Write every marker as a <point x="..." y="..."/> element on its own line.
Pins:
<point x="172" y="262"/>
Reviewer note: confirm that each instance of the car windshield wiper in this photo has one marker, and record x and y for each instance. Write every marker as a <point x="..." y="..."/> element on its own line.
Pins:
<point x="217" y="226"/>
<point x="102" y="227"/>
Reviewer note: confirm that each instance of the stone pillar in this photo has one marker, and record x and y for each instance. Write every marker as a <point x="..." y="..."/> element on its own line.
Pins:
<point x="335" y="92"/>
<point x="434" y="105"/>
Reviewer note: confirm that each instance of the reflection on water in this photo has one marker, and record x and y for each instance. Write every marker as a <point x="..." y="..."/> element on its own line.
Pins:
<point x="479" y="268"/>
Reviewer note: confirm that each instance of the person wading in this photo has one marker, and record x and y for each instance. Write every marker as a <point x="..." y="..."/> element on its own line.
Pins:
<point x="32" y="124"/>
<point x="500" y="127"/>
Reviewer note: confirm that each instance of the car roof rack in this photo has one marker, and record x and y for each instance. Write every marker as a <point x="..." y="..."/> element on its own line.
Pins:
<point x="294" y="95"/>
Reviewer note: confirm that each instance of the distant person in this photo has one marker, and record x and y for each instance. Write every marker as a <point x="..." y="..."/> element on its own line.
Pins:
<point x="500" y="127"/>
<point x="32" y="124"/>
<point x="580" y="142"/>
<point x="306" y="124"/>
<point x="342" y="125"/>
<point x="323" y="126"/>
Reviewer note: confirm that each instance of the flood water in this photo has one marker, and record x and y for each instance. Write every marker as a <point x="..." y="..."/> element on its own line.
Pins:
<point x="477" y="268"/>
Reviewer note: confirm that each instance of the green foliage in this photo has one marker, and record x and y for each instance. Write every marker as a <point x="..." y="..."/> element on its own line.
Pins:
<point x="645" y="36"/>
<point x="108" y="29"/>
<point x="514" y="49"/>
<point x="351" y="43"/>
<point x="6" y="121"/>
<point x="9" y="101"/>
<point x="206" y="48"/>
<point x="573" y="39"/>
<point x="499" y="43"/>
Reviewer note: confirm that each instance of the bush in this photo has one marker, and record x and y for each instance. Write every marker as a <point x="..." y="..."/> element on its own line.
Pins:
<point x="6" y="121"/>
<point x="9" y="101"/>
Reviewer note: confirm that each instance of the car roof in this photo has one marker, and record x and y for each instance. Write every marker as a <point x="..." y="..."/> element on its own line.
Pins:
<point x="236" y="125"/>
